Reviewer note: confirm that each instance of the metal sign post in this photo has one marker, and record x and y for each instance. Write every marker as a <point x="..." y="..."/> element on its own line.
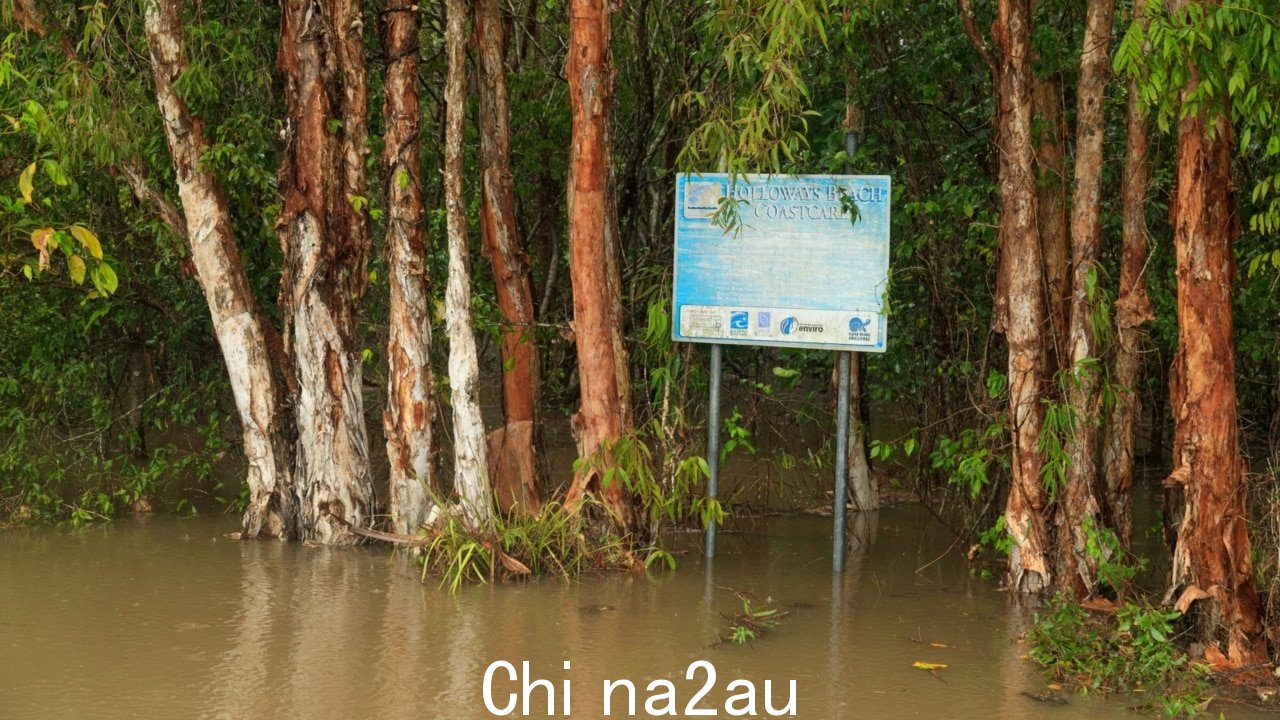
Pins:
<point x="713" y="440"/>
<point x="842" y="459"/>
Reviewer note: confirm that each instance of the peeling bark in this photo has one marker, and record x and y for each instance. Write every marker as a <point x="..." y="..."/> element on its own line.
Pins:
<point x="244" y="336"/>
<point x="1079" y="568"/>
<point x="1212" y="551"/>
<point x="513" y="456"/>
<point x="1133" y="308"/>
<point x="325" y="242"/>
<point x="407" y="419"/>
<point x="1020" y="265"/>
<point x="1051" y="210"/>
<point x="605" y="413"/>
<point x="470" y="472"/>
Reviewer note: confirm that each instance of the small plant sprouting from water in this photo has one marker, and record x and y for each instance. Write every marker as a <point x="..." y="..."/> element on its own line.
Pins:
<point x="753" y="620"/>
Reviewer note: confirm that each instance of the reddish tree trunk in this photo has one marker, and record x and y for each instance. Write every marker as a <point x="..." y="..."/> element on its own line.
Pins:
<point x="1051" y="210"/>
<point x="1079" y="513"/>
<point x="1133" y="308"/>
<point x="605" y="413"/>
<point x="513" y="456"/>
<point x="241" y="328"/>
<point x="325" y="240"/>
<point x="410" y="409"/>
<point x="1022" y="293"/>
<point x="1211" y="560"/>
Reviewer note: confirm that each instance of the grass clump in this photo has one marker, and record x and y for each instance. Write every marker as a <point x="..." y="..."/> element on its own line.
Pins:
<point x="1130" y="651"/>
<point x="552" y="542"/>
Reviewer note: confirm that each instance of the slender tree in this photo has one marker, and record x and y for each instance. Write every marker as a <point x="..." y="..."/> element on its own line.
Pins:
<point x="1022" y="297"/>
<point x="244" y="335"/>
<point x="470" y="472"/>
<point x="513" y="449"/>
<point x="325" y="239"/>
<point x="1079" y="512"/>
<point x="605" y="413"/>
<point x="1133" y="308"/>
<point x="408" y="416"/>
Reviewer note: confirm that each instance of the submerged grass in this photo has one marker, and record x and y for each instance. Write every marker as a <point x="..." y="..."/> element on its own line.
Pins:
<point x="553" y="542"/>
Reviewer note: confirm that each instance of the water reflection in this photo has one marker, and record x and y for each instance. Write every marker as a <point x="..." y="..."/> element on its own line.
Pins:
<point x="170" y="619"/>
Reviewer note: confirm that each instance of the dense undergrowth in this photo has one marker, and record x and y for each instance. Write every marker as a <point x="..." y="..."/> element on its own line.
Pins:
<point x="1133" y="650"/>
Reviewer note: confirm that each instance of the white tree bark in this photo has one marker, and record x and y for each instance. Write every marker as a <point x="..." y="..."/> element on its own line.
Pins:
<point x="470" y="474"/>
<point x="242" y="333"/>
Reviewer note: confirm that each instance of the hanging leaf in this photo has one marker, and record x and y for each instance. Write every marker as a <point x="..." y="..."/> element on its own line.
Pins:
<point x="109" y="281"/>
<point x="42" y="239"/>
<point x="88" y="240"/>
<point x="24" y="182"/>
<point x="76" y="265"/>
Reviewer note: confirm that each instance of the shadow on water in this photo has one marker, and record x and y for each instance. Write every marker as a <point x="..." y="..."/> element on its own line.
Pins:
<point x="167" y="618"/>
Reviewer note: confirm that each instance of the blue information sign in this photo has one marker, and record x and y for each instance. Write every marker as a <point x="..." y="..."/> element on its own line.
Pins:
<point x="795" y="268"/>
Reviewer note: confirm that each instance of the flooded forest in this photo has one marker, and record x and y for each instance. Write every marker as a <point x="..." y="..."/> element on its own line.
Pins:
<point x="346" y="369"/>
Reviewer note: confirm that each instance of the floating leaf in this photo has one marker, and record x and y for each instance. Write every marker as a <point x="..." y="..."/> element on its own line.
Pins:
<point x="88" y="240"/>
<point x="24" y="182"/>
<point x="939" y="645"/>
<point x="922" y="665"/>
<point x="76" y="265"/>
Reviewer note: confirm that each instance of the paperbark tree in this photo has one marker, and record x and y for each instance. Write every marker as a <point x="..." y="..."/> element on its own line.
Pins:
<point x="244" y="336"/>
<point x="1212" y="563"/>
<point x="1023" y="297"/>
<point x="1133" y="308"/>
<point x="605" y="413"/>
<point x="1079" y="511"/>
<point x="470" y="474"/>
<point x="514" y="460"/>
<point x="1051" y="209"/>
<point x="410" y="409"/>
<point x="325" y="241"/>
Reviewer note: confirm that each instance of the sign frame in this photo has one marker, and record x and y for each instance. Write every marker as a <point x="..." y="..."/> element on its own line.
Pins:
<point x="737" y="320"/>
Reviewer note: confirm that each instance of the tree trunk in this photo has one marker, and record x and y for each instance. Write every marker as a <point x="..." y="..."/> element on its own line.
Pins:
<point x="1133" y="308"/>
<point x="605" y="413"/>
<point x="244" y="336"/>
<point x="410" y="410"/>
<point x="325" y="241"/>
<point x="1078" y="568"/>
<point x="470" y="474"/>
<point x="1212" y="559"/>
<point x="1051" y="207"/>
<point x="513" y="456"/>
<point x="1021" y="262"/>
<point x="865" y="496"/>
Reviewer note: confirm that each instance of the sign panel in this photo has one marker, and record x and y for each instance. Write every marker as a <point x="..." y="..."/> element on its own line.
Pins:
<point x="782" y="260"/>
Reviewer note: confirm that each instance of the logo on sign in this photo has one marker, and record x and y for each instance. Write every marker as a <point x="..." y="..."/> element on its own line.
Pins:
<point x="739" y="320"/>
<point x="764" y="320"/>
<point x="860" y="328"/>
<point x="788" y="325"/>
<point x="702" y="199"/>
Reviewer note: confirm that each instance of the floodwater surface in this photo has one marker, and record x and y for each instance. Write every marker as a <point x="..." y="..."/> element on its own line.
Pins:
<point x="168" y="618"/>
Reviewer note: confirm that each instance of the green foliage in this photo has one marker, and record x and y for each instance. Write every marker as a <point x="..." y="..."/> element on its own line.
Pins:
<point x="753" y="620"/>
<point x="1134" y="651"/>
<point x="553" y="542"/>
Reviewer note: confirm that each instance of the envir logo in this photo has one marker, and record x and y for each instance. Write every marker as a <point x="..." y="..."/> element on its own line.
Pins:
<point x="791" y="325"/>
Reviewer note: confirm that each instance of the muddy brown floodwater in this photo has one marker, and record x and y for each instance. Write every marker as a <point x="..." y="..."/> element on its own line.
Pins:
<point x="166" y="618"/>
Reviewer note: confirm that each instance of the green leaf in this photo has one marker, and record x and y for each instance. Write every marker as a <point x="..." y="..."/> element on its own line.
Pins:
<point x="24" y="182"/>
<point x="88" y="240"/>
<point x="76" y="265"/>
